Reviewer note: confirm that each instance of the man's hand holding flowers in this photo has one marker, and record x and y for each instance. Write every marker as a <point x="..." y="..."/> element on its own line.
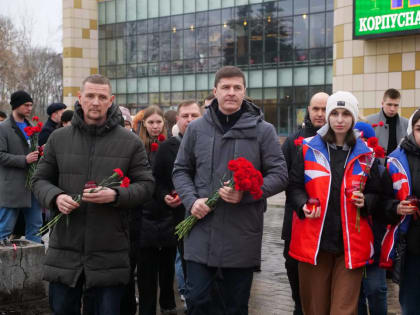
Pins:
<point x="229" y="194"/>
<point x="172" y="200"/>
<point x="200" y="209"/>
<point x="66" y="204"/>
<point x="99" y="195"/>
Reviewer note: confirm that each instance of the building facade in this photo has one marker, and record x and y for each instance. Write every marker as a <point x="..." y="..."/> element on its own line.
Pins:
<point x="165" y="51"/>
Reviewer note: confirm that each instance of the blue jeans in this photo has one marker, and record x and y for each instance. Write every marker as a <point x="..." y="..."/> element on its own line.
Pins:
<point x="373" y="289"/>
<point x="410" y="285"/>
<point x="179" y="274"/>
<point x="65" y="300"/>
<point x="217" y="291"/>
<point x="33" y="221"/>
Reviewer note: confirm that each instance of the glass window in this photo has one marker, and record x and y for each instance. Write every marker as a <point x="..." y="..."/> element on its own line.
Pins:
<point x="142" y="48"/>
<point x="189" y="20"/>
<point x="255" y="11"/>
<point x="215" y="64"/>
<point x="317" y="5"/>
<point x="164" y="7"/>
<point x="164" y="67"/>
<point x="189" y="43"/>
<point x="121" y="71"/>
<point x="111" y="56"/>
<point x="121" y="9"/>
<point x="202" y="18"/>
<point x="301" y="94"/>
<point x="214" y="4"/>
<point x="132" y="85"/>
<point x="153" y="84"/>
<point x="215" y="17"/>
<point x="300" y="6"/>
<point x="165" y="99"/>
<point x="255" y="79"/>
<point x="141" y="27"/>
<point x="189" y="95"/>
<point x="189" y="6"/>
<point x="153" y="25"/>
<point x="141" y="9"/>
<point x="270" y="78"/>
<point x="176" y="45"/>
<point x="285" y="7"/>
<point x="165" y="46"/>
<point x="153" y="47"/>
<point x="110" y="12"/>
<point x="112" y="72"/>
<point x="315" y="89"/>
<point x="202" y="81"/>
<point x="300" y="76"/>
<point x="102" y="13"/>
<point x="177" y="7"/>
<point x="270" y="106"/>
<point x="132" y="71"/>
<point x="330" y="5"/>
<point x="176" y="22"/>
<point x="154" y="98"/>
<point x="152" y="8"/>
<point x="189" y="81"/>
<point x="228" y="3"/>
<point x="131" y="44"/>
<point x="177" y="83"/>
<point x="132" y="99"/>
<point x="300" y="31"/>
<point x="271" y="38"/>
<point x="189" y="65"/>
<point x="101" y="32"/>
<point x="142" y="70"/>
<point x="153" y="69"/>
<point x="201" y="5"/>
<point x="177" y="66"/>
<point x="119" y="29"/>
<point x="328" y="74"/>
<point x="121" y="51"/>
<point x="142" y="85"/>
<point x="202" y="38"/>
<point x="228" y="45"/>
<point x="102" y="52"/>
<point x="165" y="84"/>
<point x="110" y="31"/>
<point x="121" y="86"/>
<point x="227" y="16"/>
<point x="286" y="41"/>
<point x="202" y="65"/>
<point x="317" y="30"/>
<point x="143" y="98"/>
<point x="241" y="2"/>
<point x="316" y="75"/>
<point x="215" y="41"/>
<point x="121" y="99"/>
<point x="131" y="28"/>
<point x="317" y="55"/>
<point x="285" y="77"/>
<point x="329" y="25"/>
<point x="256" y="42"/>
<point x="165" y="24"/>
<point x="131" y="10"/>
<point x="242" y="45"/>
<point x="241" y="13"/>
<point x="255" y="95"/>
<point x="176" y="97"/>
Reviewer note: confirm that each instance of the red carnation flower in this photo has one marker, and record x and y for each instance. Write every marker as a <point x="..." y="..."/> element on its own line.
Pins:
<point x="29" y="131"/>
<point x="161" y="138"/>
<point x="119" y="172"/>
<point x="154" y="147"/>
<point x="372" y="142"/>
<point x="35" y="118"/>
<point x="90" y="184"/>
<point x="40" y="124"/>
<point x="299" y="141"/>
<point x="379" y="151"/>
<point x="381" y="123"/>
<point x="125" y="182"/>
<point x="374" y="125"/>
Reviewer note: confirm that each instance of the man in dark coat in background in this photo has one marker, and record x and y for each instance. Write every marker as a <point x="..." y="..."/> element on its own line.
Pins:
<point x="89" y="247"/>
<point x="314" y="119"/>
<point x="54" y="111"/>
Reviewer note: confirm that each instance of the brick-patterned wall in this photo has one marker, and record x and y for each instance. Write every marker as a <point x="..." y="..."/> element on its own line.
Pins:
<point x="80" y="45"/>
<point x="368" y="67"/>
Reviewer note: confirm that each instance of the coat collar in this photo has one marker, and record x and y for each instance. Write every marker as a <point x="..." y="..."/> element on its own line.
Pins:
<point x="17" y="129"/>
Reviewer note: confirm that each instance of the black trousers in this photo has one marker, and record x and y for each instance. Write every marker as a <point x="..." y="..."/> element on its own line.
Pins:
<point x="291" y="265"/>
<point x="218" y="291"/>
<point x="156" y="265"/>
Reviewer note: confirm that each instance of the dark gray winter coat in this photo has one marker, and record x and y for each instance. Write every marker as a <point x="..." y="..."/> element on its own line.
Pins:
<point x="231" y="235"/>
<point x="13" y="168"/>
<point x="96" y="240"/>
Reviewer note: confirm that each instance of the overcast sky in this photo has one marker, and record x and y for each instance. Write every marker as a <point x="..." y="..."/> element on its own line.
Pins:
<point x="43" y="18"/>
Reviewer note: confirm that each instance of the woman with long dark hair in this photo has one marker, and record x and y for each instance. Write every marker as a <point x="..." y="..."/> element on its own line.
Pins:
<point x="401" y="246"/>
<point x="332" y="191"/>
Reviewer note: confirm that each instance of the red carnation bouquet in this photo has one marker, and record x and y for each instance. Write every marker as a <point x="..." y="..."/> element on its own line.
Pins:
<point x="245" y="178"/>
<point x="117" y="178"/>
<point x="32" y="132"/>
<point x="154" y="146"/>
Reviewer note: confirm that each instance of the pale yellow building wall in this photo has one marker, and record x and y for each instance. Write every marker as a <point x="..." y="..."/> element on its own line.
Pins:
<point x="369" y="67"/>
<point x="80" y="45"/>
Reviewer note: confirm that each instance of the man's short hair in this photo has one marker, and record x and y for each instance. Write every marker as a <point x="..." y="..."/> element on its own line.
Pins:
<point x="228" y="72"/>
<point x="3" y="114"/>
<point x="97" y="79"/>
<point x="186" y="103"/>
<point x="392" y="94"/>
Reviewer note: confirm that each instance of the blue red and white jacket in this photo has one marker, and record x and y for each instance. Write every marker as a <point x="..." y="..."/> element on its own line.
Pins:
<point x="306" y="233"/>
<point x="398" y="169"/>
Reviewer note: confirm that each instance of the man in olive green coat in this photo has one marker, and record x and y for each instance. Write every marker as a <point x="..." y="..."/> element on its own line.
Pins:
<point x="89" y="245"/>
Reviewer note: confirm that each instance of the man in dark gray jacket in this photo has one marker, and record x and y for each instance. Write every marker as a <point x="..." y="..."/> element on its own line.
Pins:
<point x="224" y="247"/>
<point x="89" y="246"/>
<point x="14" y="161"/>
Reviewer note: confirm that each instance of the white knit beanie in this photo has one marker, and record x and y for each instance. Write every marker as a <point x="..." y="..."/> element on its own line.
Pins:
<point x="342" y="99"/>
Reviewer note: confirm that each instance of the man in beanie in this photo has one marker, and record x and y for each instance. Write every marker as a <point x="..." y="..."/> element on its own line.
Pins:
<point x="54" y="111"/>
<point x="15" y="157"/>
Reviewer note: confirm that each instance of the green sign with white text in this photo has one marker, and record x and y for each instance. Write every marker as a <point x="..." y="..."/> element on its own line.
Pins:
<point x="381" y="18"/>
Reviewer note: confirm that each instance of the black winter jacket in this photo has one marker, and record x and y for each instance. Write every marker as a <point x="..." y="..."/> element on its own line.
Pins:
<point x="95" y="241"/>
<point x="46" y="131"/>
<point x="290" y="151"/>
